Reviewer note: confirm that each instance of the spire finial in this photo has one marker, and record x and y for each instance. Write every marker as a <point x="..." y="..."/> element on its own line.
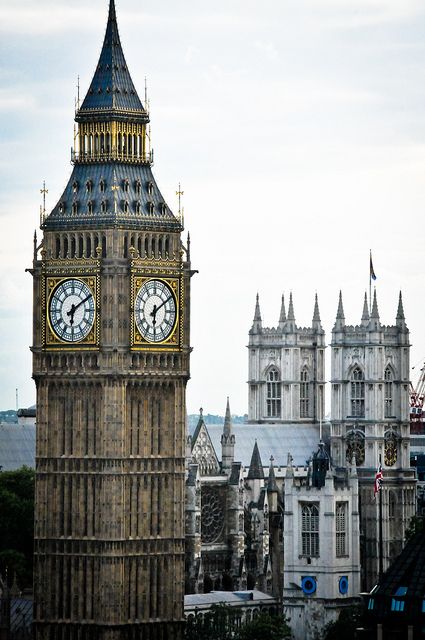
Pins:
<point x="256" y="466"/>
<point x="291" y="315"/>
<point x="340" y="312"/>
<point x="271" y="483"/>
<point x="201" y="412"/>
<point x="400" y="310"/>
<point x="282" y="316"/>
<point x="365" y="314"/>
<point x="227" y="428"/>
<point x="375" y="313"/>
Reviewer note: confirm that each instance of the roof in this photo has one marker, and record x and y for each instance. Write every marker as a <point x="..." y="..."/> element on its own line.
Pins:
<point x="112" y="92"/>
<point x="17" y="446"/>
<point x="300" y="440"/>
<point x="90" y="187"/>
<point x="235" y="598"/>
<point x="403" y="582"/>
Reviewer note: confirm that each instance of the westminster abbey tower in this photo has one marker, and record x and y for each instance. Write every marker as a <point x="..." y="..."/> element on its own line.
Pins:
<point x="111" y="363"/>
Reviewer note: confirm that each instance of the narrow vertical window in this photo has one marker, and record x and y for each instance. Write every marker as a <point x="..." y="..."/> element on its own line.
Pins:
<point x="388" y="393"/>
<point x="310" y="530"/>
<point x="273" y="394"/>
<point x="341" y="529"/>
<point x="304" y="395"/>
<point x="357" y="393"/>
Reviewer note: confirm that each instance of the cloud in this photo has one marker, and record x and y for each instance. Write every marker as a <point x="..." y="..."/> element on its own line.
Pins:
<point x="268" y="49"/>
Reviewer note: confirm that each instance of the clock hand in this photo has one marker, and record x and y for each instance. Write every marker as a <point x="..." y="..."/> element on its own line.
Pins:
<point x="75" y="306"/>
<point x="153" y="314"/>
<point x="162" y="304"/>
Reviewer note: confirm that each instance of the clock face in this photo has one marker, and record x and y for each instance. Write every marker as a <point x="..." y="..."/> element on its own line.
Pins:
<point x="155" y="311"/>
<point x="72" y="310"/>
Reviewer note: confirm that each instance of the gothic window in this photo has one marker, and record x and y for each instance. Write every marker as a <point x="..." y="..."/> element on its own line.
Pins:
<point x="75" y="186"/>
<point x="212" y="515"/>
<point x="355" y="447"/>
<point x="90" y="207"/>
<point x="357" y="393"/>
<point x="89" y="185"/>
<point x="138" y="206"/>
<point x="103" y="206"/>
<point x="388" y="393"/>
<point x="150" y="188"/>
<point x="74" y="207"/>
<point x="304" y="388"/>
<point x="390" y="448"/>
<point x="138" y="187"/>
<point x="150" y="207"/>
<point x="125" y="206"/>
<point x="273" y="394"/>
<point x="341" y="529"/>
<point x="310" y="530"/>
<point x="102" y="185"/>
<point x="126" y="185"/>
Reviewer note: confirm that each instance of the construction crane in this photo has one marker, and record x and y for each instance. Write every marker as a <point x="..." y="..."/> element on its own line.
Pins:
<point x="417" y="398"/>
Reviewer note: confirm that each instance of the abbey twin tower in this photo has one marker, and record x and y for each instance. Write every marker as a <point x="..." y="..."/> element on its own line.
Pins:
<point x="131" y="509"/>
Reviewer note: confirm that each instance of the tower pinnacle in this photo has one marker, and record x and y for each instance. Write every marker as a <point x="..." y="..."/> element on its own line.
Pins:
<point x="365" y="314"/>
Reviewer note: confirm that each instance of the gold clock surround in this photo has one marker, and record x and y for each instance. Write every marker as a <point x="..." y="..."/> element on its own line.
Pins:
<point x="50" y="339"/>
<point x="174" y="340"/>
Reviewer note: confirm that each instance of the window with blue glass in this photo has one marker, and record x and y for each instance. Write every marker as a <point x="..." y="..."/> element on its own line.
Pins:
<point x="371" y="604"/>
<point x="396" y="603"/>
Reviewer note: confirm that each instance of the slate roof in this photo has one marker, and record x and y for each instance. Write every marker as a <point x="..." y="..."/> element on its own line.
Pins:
<point x="404" y="582"/>
<point x="72" y="210"/>
<point x="277" y="440"/>
<point x="17" y="446"/>
<point x="112" y="92"/>
<point x="232" y="598"/>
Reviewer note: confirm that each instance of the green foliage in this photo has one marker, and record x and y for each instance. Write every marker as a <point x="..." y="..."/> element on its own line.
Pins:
<point x="416" y="525"/>
<point x="346" y="625"/>
<point x="265" y="627"/>
<point x="216" y="624"/>
<point x="223" y="623"/>
<point x="17" y="523"/>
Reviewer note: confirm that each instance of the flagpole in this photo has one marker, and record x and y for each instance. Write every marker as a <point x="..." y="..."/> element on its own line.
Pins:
<point x="381" y="551"/>
<point x="370" y="282"/>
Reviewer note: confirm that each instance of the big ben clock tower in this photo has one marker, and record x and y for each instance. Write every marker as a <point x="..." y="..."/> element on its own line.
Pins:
<point x="111" y="363"/>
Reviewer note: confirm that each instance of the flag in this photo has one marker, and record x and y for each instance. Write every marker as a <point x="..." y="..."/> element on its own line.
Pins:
<point x="372" y="272"/>
<point x="378" y="480"/>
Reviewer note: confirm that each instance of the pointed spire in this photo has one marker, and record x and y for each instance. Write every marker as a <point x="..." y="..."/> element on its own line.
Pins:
<point x="365" y="314"/>
<point x="291" y="315"/>
<point x="112" y="91"/>
<point x="227" y="428"/>
<point x="400" y="319"/>
<point x="257" y="313"/>
<point x="340" y="319"/>
<point x="340" y="312"/>
<point x="271" y="484"/>
<point x="257" y="324"/>
<point x="282" y="316"/>
<point x="256" y="466"/>
<point x="374" y="313"/>
<point x="317" y="325"/>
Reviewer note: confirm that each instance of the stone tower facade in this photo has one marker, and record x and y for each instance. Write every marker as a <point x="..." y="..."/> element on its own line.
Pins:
<point x="286" y="369"/>
<point x="370" y="423"/>
<point x="110" y="363"/>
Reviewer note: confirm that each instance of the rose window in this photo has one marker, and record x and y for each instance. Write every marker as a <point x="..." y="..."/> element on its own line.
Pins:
<point x="212" y="515"/>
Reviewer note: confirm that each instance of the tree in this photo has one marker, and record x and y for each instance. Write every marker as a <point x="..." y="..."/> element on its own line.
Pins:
<point x="265" y="627"/>
<point x="17" y="524"/>
<point x="346" y="625"/>
<point x="216" y="624"/>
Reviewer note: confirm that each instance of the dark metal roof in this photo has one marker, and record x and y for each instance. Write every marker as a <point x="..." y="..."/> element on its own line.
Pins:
<point x="400" y="594"/>
<point x="256" y="466"/>
<point x="89" y="201"/>
<point x="112" y="92"/>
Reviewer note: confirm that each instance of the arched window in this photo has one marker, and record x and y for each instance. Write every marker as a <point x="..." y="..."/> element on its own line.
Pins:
<point x="357" y="393"/>
<point x="341" y="529"/>
<point x="273" y="404"/>
<point x="304" y="395"/>
<point x="388" y="393"/>
<point x="310" y="530"/>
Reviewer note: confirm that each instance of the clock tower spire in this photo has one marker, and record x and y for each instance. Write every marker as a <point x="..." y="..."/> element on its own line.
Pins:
<point x="110" y="362"/>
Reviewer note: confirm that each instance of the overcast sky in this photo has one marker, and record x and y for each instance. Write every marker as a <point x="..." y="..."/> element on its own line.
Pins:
<point x="297" y="130"/>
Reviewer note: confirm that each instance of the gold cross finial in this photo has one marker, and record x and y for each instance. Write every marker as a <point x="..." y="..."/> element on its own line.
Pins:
<point x="43" y="192"/>
<point x="179" y="193"/>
